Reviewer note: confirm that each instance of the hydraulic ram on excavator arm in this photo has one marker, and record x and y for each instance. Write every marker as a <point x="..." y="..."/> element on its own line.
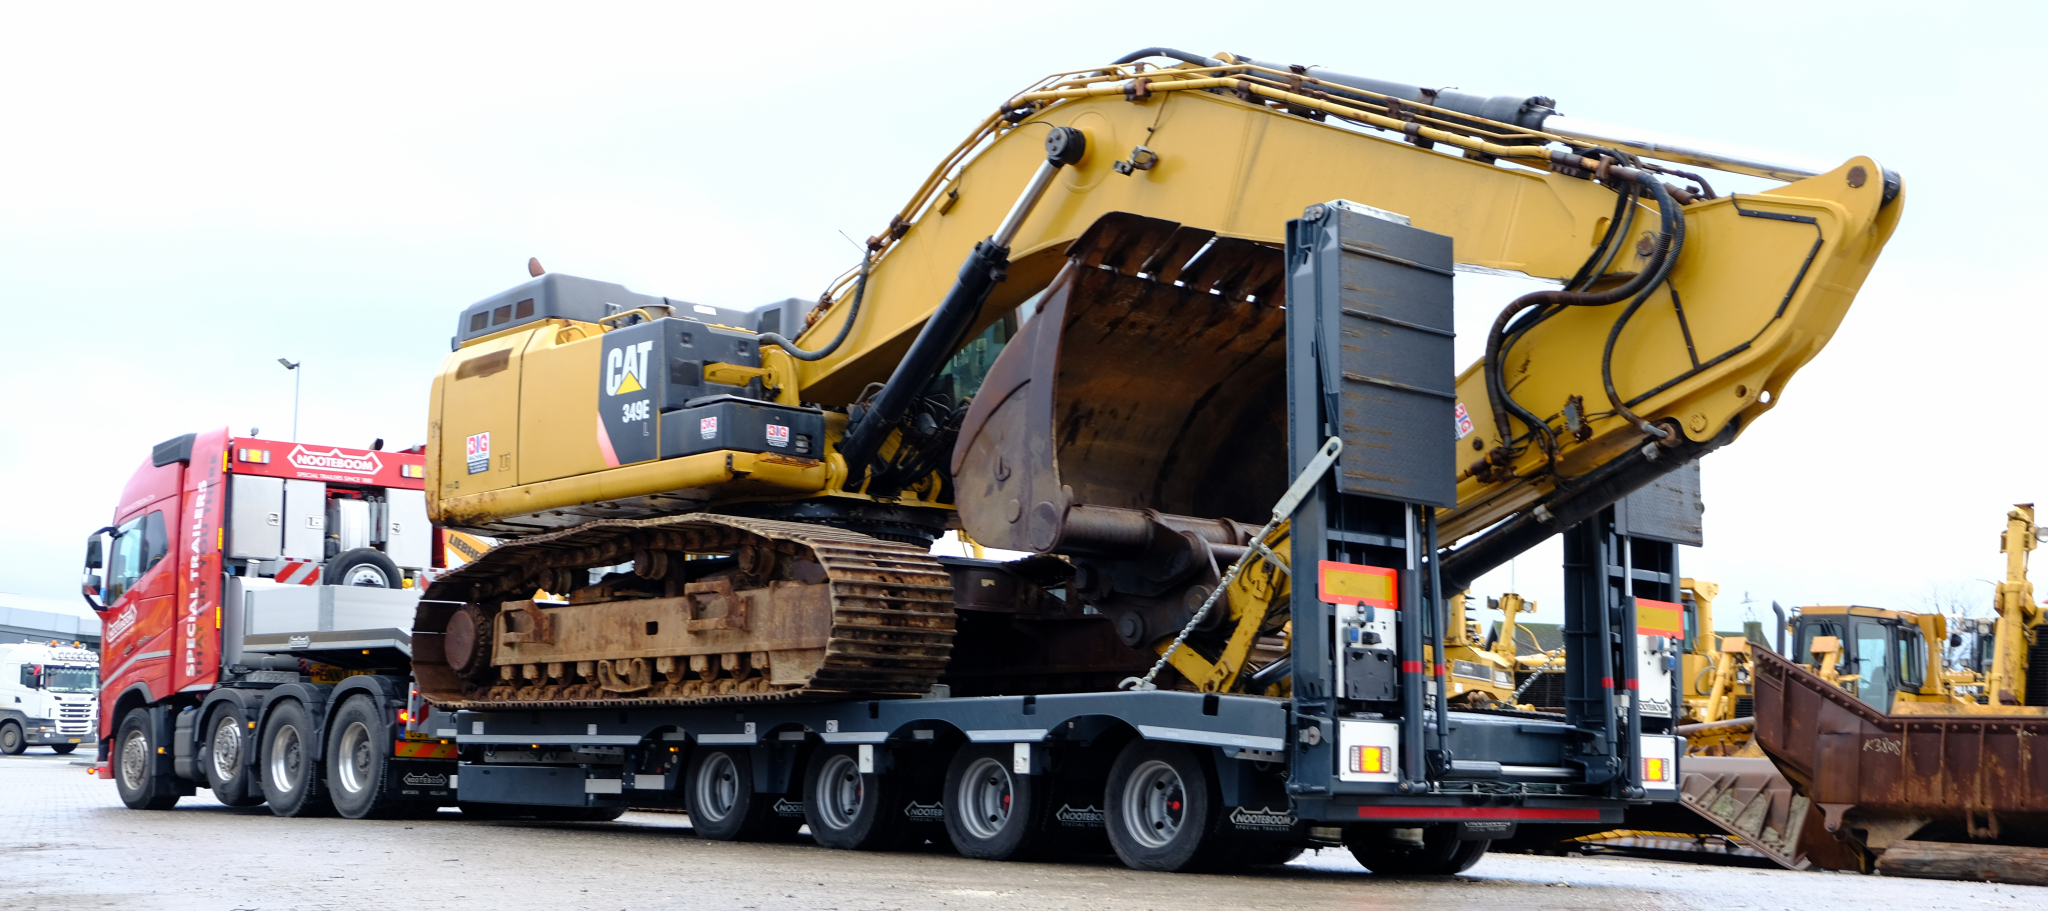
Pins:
<point x="1127" y="224"/>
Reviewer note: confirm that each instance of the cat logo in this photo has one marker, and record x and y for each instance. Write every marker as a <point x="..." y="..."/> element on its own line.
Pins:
<point x="625" y="368"/>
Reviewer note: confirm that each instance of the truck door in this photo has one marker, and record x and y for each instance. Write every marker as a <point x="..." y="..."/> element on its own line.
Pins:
<point x="141" y="597"/>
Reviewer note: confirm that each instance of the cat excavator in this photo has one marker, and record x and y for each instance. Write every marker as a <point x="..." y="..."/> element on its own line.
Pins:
<point x="1072" y="341"/>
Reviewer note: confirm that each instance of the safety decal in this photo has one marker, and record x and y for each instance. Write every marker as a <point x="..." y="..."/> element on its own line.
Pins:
<point x="1659" y="618"/>
<point x="1464" y="419"/>
<point x="778" y="436"/>
<point x="478" y="448"/>
<point x="708" y="427"/>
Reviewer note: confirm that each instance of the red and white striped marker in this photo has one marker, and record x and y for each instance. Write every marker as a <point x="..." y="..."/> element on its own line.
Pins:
<point x="297" y="573"/>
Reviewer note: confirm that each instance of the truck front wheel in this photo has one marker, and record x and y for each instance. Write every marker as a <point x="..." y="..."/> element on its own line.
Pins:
<point x="290" y="775"/>
<point x="135" y="765"/>
<point x="11" y="741"/>
<point x="63" y="748"/>
<point x="224" y="754"/>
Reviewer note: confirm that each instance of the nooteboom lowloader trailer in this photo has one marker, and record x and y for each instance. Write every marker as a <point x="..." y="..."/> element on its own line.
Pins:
<point x="1221" y="414"/>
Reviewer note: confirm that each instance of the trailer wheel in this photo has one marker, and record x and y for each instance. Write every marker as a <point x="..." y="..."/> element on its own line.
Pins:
<point x="224" y="754"/>
<point x="359" y="759"/>
<point x="721" y="800"/>
<point x="11" y="740"/>
<point x="364" y="566"/>
<point x="1440" y="854"/>
<point x="1160" y="808"/>
<point x="847" y="808"/>
<point x="63" y="748"/>
<point x="992" y="814"/>
<point x="290" y="776"/>
<point x="135" y="766"/>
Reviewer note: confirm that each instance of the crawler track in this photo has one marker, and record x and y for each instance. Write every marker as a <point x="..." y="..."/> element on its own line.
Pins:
<point x="890" y="627"/>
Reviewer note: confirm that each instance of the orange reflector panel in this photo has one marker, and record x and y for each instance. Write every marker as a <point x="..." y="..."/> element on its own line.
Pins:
<point x="1349" y="583"/>
<point x="412" y="471"/>
<point x="1659" y="618"/>
<point x="423" y="749"/>
<point x="253" y="456"/>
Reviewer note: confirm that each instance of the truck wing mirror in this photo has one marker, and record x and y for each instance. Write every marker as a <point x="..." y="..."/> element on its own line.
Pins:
<point x="94" y="556"/>
<point x="91" y="590"/>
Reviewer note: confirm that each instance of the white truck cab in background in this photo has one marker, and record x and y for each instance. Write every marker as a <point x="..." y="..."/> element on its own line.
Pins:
<point x="49" y="696"/>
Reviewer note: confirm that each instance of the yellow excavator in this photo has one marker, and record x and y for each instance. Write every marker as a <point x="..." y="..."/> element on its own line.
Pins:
<point x="1070" y="341"/>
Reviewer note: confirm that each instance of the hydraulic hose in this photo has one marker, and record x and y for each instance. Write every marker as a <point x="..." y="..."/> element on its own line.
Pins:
<point x="1655" y="271"/>
<point x="1182" y="56"/>
<point x="860" y="288"/>
<point x="1669" y="243"/>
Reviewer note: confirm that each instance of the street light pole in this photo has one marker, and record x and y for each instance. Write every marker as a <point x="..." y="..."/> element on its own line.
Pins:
<point x="297" y="374"/>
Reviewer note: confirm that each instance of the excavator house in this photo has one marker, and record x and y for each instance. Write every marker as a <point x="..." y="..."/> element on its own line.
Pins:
<point x="1179" y="330"/>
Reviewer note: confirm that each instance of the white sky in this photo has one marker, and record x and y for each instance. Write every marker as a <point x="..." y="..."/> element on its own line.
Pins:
<point x="188" y="193"/>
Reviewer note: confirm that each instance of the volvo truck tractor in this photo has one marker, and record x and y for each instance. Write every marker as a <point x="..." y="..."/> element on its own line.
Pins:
<point x="1178" y="328"/>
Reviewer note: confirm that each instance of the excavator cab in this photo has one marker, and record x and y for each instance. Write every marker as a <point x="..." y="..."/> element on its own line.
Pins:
<point x="1885" y="652"/>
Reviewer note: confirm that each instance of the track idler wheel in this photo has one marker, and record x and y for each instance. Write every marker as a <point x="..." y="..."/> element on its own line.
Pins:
<point x="467" y="644"/>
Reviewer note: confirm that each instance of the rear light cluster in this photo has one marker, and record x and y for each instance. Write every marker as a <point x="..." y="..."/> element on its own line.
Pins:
<point x="252" y="456"/>
<point x="1375" y="760"/>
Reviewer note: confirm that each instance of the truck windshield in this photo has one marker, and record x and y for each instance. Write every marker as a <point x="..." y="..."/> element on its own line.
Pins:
<point x="70" y="679"/>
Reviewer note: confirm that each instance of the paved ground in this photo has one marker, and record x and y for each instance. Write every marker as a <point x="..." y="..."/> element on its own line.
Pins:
<point x="67" y="843"/>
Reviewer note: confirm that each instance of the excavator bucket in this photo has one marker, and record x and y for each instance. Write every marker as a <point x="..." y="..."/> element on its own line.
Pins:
<point x="1149" y="376"/>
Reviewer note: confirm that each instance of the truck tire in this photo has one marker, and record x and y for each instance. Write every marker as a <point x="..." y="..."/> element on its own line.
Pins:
<point x="224" y="755"/>
<point x="364" y="566"/>
<point x="289" y="774"/>
<point x="1440" y="854"/>
<point x="63" y="749"/>
<point x="849" y="809"/>
<point x="991" y="813"/>
<point x="1161" y="809"/>
<point x="359" y="759"/>
<point x="135" y="765"/>
<point x="720" y="797"/>
<point x="12" y="742"/>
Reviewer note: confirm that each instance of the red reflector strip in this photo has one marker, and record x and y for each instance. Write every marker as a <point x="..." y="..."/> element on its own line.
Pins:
<point x="1632" y="683"/>
<point x="295" y="573"/>
<point x="1589" y="814"/>
<point x="1411" y="667"/>
<point x="1607" y="683"/>
<point x="423" y="749"/>
<point x="1439" y="670"/>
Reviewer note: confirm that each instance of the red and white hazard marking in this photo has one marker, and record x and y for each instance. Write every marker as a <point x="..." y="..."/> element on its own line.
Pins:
<point x="297" y="573"/>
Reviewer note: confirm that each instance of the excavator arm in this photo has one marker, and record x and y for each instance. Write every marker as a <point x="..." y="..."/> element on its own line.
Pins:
<point x="1584" y="396"/>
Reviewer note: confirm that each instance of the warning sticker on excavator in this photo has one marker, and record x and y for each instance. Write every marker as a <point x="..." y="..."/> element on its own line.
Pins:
<point x="1350" y="583"/>
<point x="1464" y="419"/>
<point x="478" y="448"/>
<point x="778" y="435"/>
<point x="708" y="427"/>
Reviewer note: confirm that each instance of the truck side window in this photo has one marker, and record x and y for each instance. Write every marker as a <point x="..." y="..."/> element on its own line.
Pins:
<point x="1912" y="660"/>
<point x="155" y="543"/>
<point x="138" y="545"/>
<point x="1875" y="687"/>
<point x="28" y="676"/>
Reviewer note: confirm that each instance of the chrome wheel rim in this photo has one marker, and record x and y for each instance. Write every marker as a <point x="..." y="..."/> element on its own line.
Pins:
<point x="986" y="793"/>
<point x="1155" y="804"/>
<point x="718" y="787"/>
<point x="286" y="759"/>
<point x="227" y="749"/>
<point x="840" y="792"/>
<point x="368" y="575"/>
<point x="135" y="760"/>
<point x="355" y="758"/>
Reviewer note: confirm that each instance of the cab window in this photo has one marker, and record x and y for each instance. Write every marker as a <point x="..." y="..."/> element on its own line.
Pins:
<point x="139" y="544"/>
<point x="1912" y="659"/>
<point x="1873" y="665"/>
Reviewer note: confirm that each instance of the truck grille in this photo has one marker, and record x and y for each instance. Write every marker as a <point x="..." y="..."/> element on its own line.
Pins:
<point x="74" y="719"/>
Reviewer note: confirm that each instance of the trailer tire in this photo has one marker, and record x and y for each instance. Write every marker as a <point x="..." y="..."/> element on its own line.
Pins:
<point x="63" y="749"/>
<point x="359" y="743"/>
<point x="1161" y="809"/>
<point x="991" y="813"/>
<point x="364" y="566"/>
<point x="289" y="774"/>
<point x="719" y="795"/>
<point x="135" y="764"/>
<point x="1441" y="853"/>
<point x="847" y="808"/>
<point x="224" y="755"/>
<point x="11" y="740"/>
